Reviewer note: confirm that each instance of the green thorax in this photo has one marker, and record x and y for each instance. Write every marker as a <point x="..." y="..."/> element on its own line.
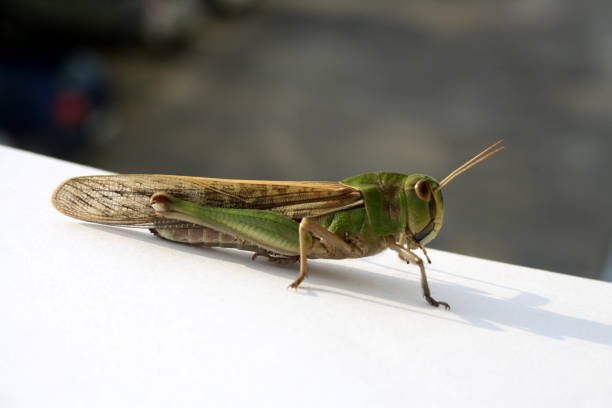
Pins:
<point x="392" y="205"/>
<point x="384" y="200"/>
<point x="353" y="226"/>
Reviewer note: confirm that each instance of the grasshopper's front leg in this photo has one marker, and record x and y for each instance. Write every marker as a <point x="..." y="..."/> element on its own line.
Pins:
<point x="409" y="256"/>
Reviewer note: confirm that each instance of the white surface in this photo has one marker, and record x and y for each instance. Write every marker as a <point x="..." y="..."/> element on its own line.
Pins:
<point x="103" y="317"/>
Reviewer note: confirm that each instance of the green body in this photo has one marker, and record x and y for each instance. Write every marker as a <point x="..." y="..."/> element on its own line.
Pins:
<point x="390" y="207"/>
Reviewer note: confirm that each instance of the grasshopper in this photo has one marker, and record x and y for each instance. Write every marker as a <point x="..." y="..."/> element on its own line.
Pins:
<point x="285" y="221"/>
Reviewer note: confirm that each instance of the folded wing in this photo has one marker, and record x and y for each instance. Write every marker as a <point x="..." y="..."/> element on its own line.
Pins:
<point x="124" y="199"/>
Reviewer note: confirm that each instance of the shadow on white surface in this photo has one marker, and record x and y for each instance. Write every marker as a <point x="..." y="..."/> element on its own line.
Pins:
<point x="523" y="311"/>
<point x="472" y="305"/>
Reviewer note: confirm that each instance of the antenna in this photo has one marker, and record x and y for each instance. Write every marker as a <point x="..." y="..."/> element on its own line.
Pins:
<point x="485" y="154"/>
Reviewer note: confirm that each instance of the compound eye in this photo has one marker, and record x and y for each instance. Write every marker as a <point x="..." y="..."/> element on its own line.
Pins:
<point x="422" y="190"/>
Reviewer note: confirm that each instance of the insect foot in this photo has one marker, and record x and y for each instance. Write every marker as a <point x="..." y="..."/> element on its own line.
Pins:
<point x="277" y="259"/>
<point x="435" y="303"/>
<point x="296" y="283"/>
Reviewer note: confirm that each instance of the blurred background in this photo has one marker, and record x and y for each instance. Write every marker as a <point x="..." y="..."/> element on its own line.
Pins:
<point x="319" y="90"/>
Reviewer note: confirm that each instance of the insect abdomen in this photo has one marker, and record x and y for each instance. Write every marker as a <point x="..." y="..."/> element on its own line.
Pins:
<point x="203" y="236"/>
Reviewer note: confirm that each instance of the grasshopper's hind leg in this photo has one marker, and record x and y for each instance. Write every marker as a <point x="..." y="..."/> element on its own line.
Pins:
<point x="331" y="243"/>
<point x="409" y="256"/>
<point x="272" y="235"/>
<point x="279" y="238"/>
<point x="305" y="225"/>
<point x="303" y="254"/>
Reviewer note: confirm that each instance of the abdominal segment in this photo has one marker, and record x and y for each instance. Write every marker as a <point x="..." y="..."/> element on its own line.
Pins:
<point x="198" y="235"/>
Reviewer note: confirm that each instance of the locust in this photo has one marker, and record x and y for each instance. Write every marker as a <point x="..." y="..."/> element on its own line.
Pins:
<point x="285" y="221"/>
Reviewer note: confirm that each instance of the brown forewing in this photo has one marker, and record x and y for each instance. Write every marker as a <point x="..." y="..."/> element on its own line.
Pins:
<point x="125" y="199"/>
